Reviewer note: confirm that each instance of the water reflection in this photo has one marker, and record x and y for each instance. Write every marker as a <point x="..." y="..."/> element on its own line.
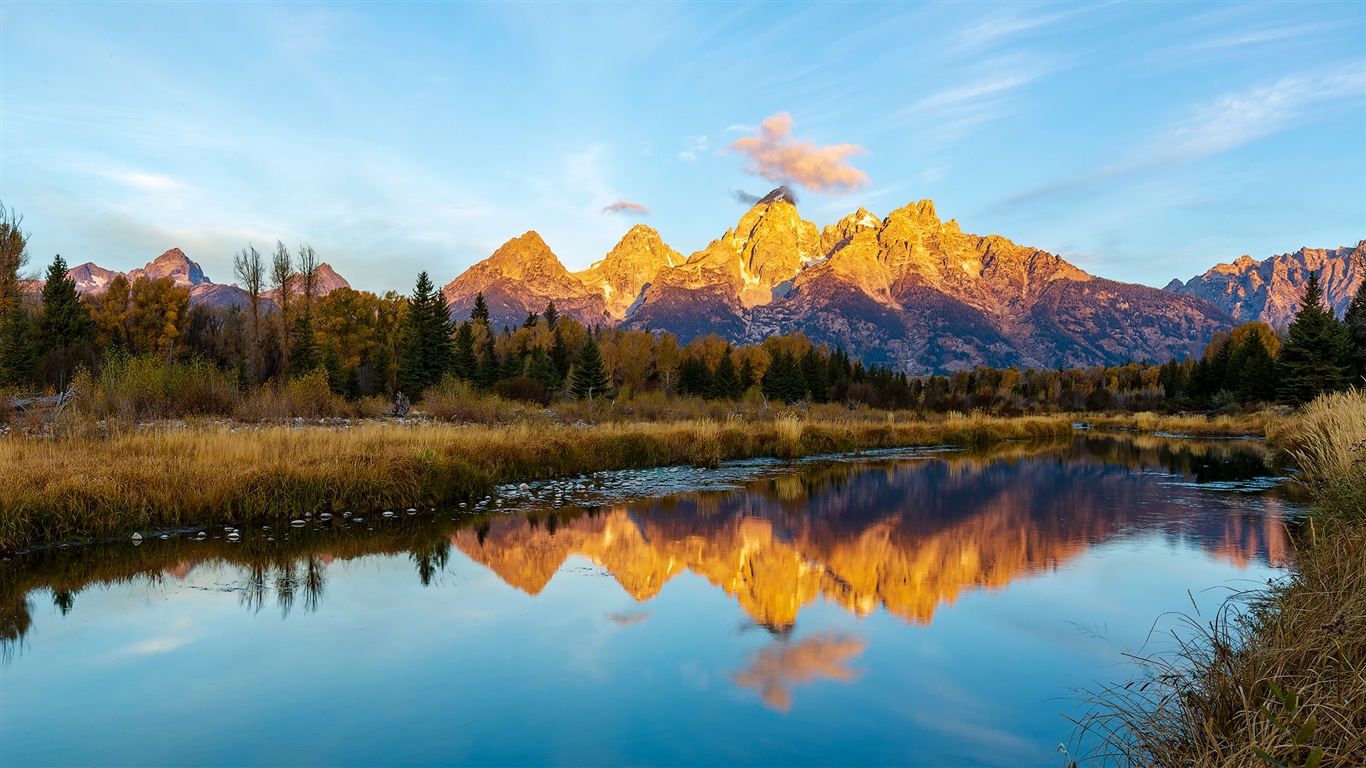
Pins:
<point x="906" y="536"/>
<point x="775" y="669"/>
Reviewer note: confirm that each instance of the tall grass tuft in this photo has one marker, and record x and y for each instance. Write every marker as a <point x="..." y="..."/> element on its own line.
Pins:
<point x="1278" y="679"/>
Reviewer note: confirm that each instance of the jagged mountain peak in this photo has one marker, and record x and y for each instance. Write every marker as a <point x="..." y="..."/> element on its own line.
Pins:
<point x="1270" y="290"/>
<point x="780" y="195"/>
<point x="630" y="266"/>
<point x="175" y="265"/>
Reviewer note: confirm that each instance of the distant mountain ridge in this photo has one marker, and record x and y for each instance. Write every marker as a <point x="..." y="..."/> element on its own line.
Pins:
<point x="93" y="280"/>
<point x="1270" y="290"/>
<point x="907" y="290"/>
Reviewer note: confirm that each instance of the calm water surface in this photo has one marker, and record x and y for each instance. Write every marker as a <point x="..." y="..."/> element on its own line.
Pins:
<point x="931" y="608"/>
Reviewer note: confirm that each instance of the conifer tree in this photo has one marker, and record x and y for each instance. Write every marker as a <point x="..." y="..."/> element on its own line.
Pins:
<point x="783" y="380"/>
<point x="427" y="351"/>
<point x="1256" y="379"/>
<point x="694" y="378"/>
<point x="63" y="321"/>
<point x="1314" y="357"/>
<point x="589" y="377"/>
<point x="486" y="373"/>
<point x="480" y="313"/>
<point x="17" y="353"/>
<point x="814" y="374"/>
<point x="552" y="316"/>
<point x="531" y="319"/>
<point x="1355" y="320"/>
<point x="542" y="369"/>
<point x="303" y="354"/>
<point x="466" y="361"/>
<point x="726" y="382"/>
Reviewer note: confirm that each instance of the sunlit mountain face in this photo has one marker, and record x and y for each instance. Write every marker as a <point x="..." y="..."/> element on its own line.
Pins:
<point x="905" y="536"/>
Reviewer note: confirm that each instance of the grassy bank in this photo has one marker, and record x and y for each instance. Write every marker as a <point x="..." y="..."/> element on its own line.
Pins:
<point x="1281" y="682"/>
<point x="1260" y="423"/>
<point x="59" y="489"/>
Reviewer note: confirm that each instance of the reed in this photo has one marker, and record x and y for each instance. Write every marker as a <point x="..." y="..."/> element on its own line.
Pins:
<point x="1278" y="676"/>
<point x="1261" y="423"/>
<point x="158" y="477"/>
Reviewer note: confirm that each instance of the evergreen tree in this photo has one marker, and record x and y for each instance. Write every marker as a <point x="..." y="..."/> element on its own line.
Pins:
<point x="726" y="381"/>
<point x="1314" y="356"/>
<point x="480" y="313"/>
<point x="783" y="380"/>
<point x="427" y="351"/>
<point x="17" y="353"/>
<point x="1355" y="320"/>
<point x="559" y="355"/>
<point x="747" y="377"/>
<point x="1256" y="371"/>
<point x="486" y="374"/>
<point x="511" y="366"/>
<point x="552" y="316"/>
<point x="63" y="322"/>
<point x="466" y="362"/>
<point x="694" y="378"/>
<point x="588" y="378"/>
<point x="531" y="319"/>
<point x="331" y="361"/>
<point x="303" y="353"/>
<point x="542" y="369"/>
<point x="814" y="374"/>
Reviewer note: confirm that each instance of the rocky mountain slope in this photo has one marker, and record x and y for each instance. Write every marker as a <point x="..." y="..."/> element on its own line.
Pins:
<point x="93" y="280"/>
<point x="1270" y="290"/>
<point x="908" y="290"/>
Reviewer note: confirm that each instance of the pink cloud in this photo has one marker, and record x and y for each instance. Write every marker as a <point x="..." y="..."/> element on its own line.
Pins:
<point x="621" y="206"/>
<point x="776" y="156"/>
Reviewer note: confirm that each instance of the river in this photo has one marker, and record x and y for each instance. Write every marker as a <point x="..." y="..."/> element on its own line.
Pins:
<point x="921" y="607"/>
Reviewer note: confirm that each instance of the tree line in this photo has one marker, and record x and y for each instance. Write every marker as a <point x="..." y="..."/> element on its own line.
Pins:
<point x="367" y="345"/>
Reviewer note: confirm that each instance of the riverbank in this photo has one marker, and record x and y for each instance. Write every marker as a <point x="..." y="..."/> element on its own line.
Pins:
<point x="1279" y="676"/>
<point x="181" y="475"/>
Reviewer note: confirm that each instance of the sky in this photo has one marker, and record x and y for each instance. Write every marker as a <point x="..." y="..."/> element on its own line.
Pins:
<point x="1140" y="141"/>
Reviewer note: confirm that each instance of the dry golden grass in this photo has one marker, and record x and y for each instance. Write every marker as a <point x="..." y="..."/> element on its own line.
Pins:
<point x="1260" y="423"/>
<point x="1283" y="682"/>
<point x="64" y="489"/>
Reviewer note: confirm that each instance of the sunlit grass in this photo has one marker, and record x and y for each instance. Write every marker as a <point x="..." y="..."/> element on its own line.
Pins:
<point x="1278" y="677"/>
<point x="161" y="477"/>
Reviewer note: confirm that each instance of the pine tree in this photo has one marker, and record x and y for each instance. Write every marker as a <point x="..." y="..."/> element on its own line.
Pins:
<point x="486" y="374"/>
<point x="466" y="361"/>
<point x="552" y="316"/>
<point x="303" y="353"/>
<point x="1314" y="357"/>
<point x="17" y="353"/>
<point x="726" y="382"/>
<point x="480" y="313"/>
<point x="589" y="378"/>
<point x="694" y="378"/>
<point x="1256" y="372"/>
<point x="1355" y="320"/>
<point x="531" y="319"/>
<point x="427" y="352"/>
<point x="63" y="321"/>
<point x="559" y="355"/>
<point x="814" y="373"/>
<point x="542" y="369"/>
<point x="783" y="380"/>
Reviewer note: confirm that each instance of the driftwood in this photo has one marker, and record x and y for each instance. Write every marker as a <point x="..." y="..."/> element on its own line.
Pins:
<point x="57" y="402"/>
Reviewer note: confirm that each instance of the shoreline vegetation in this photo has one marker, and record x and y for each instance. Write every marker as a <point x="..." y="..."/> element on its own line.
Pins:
<point x="89" y="482"/>
<point x="1278" y="676"/>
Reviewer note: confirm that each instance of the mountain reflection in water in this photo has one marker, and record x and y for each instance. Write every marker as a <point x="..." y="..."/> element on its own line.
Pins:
<point x="906" y="535"/>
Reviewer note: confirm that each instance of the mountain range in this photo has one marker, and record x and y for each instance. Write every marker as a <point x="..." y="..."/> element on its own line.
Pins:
<point x="93" y="280"/>
<point x="907" y="290"/>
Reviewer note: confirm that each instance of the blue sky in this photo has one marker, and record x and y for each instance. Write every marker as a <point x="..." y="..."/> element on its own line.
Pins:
<point x="1140" y="141"/>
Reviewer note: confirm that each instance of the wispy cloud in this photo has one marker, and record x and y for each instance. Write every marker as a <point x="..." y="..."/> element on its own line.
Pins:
<point x="744" y="198"/>
<point x="147" y="182"/>
<point x="776" y="156"/>
<point x="774" y="670"/>
<point x="692" y="147"/>
<point x="621" y="206"/>
<point x="1229" y="121"/>
<point x="1257" y="36"/>
<point x="997" y="30"/>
